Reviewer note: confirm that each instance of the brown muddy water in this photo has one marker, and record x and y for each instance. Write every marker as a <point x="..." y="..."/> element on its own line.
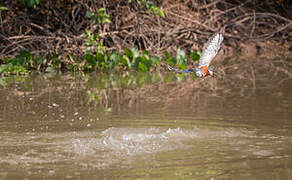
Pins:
<point x="147" y="126"/>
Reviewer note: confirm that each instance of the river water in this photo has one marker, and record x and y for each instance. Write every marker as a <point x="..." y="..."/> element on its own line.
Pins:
<point x="147" y="126"/>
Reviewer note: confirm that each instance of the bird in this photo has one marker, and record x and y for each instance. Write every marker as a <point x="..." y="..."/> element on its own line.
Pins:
<point x="211" y="49"/>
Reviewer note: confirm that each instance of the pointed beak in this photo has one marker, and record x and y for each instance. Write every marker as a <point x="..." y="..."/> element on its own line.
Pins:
<point x="205" y="70"/>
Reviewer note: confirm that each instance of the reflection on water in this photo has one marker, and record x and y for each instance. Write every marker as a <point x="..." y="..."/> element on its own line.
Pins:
<point x="147" y="126"/>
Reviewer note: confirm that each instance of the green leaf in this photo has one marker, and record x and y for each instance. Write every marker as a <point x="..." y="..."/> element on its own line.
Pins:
<point x="88" y="15"/>
<point x="171" y="61"/>
<point x="182" y="66"/>
<point x="99" y="57"/>
<point x="147" y="61"/>
<point x="144" y="52"/>
<point x="161" y="13"/>
<point x="135" y="52"/>
<point x="71" y="58"/>
<point x="149" y="4"/>
<point x="129" y="53"/>
<point x="27" y="55"/>
<point x="99" y="17"/>
<point x="31" y="3"/>
<point x="101" y="10"/>
<point x="3" y="8"/>
<point x="166" y="55"/>
<point x="195" y="56"/>
<point x="106" y="20"/>
<point x="142" y="67"/>
<point x="156" y="60"/>
<point x="126" y="61"/>
<point x="3" y="68"/>
<point x="90" y="59"/>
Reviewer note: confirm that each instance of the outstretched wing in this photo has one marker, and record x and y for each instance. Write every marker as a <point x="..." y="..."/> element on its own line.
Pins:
<point x="211" y="49"/>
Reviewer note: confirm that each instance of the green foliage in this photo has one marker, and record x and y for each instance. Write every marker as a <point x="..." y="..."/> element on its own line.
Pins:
<point x="99" y="17"/>
<point x="141" y="61"/>
<point x="93" y="43"/>
<point x="27" y="61"/>
<point x="95" y="56"/>
<point x="168" y="59"/>
<point x="150" y="6"/>
<point x="181" y="59"/>
<point x="21" y="64"/>
<point x="8" y="69"/>
<point x="53" y="64"/>
<point x="144" y="62"/>
<point x="31" y="3"/>
<point x="107" y="60"/>
<point x="2" y="8"/>
<point x="154" y="9"/>
<point x="195" y="56"/>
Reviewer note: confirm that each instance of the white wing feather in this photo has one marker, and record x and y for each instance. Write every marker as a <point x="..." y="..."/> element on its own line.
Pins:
<point x="211" y="49"/>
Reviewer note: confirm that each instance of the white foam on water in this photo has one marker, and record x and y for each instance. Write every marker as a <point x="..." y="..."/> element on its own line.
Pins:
<point x="101" y="149"/>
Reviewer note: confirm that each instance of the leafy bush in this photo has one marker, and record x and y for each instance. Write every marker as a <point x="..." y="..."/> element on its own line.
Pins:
<point x="2" y="8"/>
<point x="31" y="3"/>
<point x="99" y="17"/>
<point x="8" y="69"/>
<point x="95" y="57"/>
<point x="150" y="5"/>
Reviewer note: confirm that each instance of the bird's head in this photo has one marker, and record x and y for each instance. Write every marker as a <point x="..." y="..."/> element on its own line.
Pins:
<point x="204" y="71"/>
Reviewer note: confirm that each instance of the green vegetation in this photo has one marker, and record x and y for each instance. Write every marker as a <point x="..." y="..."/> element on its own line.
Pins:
<point x="31" y="3"/>
<point x="95" y="57"/>
<point x="127" y="35"/>
<point x="3" y="8"/>
<point x="100" y="17"/>
<point x="150" y="6"/>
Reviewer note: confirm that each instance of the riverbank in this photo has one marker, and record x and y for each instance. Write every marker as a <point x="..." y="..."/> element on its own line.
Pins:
<point x="106" y="35"/>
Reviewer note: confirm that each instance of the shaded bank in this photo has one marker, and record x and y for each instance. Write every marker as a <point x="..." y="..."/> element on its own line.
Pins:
<point x="58" y="27"/>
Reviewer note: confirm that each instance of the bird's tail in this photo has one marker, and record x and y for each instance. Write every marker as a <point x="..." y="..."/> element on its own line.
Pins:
<point x="179" y="70"/>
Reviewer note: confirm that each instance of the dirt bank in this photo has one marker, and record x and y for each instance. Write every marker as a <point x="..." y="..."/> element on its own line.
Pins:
<point x="251" y="26"/>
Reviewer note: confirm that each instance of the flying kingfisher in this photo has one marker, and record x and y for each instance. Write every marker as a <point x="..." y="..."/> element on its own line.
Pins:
<point x="211" y="49"/>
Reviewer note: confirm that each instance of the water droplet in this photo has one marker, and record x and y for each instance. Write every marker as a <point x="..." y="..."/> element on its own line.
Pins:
<point x="55" y="105"/>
